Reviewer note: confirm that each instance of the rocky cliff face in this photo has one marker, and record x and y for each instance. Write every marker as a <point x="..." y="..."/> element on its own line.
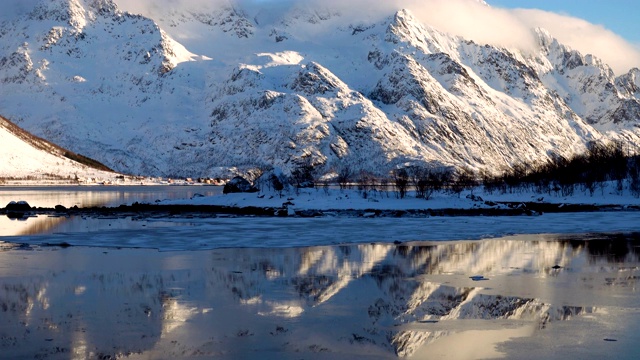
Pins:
<point x="274" y="90"/>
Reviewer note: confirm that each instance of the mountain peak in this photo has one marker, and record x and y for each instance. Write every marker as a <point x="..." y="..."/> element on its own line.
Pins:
<point x="75" y="13"/>
<point x="403" y="16"/>
<point x="369" y="92"/>
<point x="545" y="39"/>
<point x="71" y="12"/>
<point x="404" y="27"/>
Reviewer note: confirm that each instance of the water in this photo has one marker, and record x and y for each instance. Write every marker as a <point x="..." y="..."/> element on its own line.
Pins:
<point x="110" y="196"/>
<point x="206" y="231"/>
<point x="539" y="297"/>
<point x="313" y="288"/>
<point x="85" y="196"/>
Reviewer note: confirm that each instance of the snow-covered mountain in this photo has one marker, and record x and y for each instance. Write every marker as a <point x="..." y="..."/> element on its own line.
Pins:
<point x="26" y="156"/>
<point x="190" y="91"/>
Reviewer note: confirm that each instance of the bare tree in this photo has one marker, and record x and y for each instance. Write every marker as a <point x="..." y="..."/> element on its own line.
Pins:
<point x="277" y="183"/>
<point x="465" y="179"/>
<point x="419" y="177"/>
<point x="345" y="175"/>
<point x="634" y="175"/>
<point x="401" y="180"/>
<point x="383" y="184"/>
<point x="303" y="174"/>
<point x="437" y="180"/>
<point x="366" y="182"/>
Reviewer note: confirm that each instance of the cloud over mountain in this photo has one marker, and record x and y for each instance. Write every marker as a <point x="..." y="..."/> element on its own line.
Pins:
<point x="466" y="18"/>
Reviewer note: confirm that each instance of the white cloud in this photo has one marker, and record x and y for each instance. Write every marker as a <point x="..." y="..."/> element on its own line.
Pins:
<point x="511" y="28"/>
<point x="585" y="37"/>
<point x="474" y="21"/>
<point x="467" y="18"/>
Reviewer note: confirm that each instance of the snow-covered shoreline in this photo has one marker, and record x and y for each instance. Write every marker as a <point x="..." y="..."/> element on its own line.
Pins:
<point x="353" y="199"/>
<point x="316" y="217"/>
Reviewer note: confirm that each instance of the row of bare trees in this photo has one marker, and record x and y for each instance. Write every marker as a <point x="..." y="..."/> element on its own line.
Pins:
<point x="602" y="164"/>
<point x="424" y="180"/>
<point x="589" y="172"/>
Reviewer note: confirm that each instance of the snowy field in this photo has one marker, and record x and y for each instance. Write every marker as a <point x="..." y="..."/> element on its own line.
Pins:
<point x="323" y="199"/>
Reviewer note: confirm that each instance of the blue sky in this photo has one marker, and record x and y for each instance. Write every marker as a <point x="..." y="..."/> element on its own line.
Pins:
<point x="619" y="16"/>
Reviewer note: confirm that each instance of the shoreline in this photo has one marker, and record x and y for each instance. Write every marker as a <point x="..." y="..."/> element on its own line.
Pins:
<point x="213" y="220"/>
<point x="507" y="208"/>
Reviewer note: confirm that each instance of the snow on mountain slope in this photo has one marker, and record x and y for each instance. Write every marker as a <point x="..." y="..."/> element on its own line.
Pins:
<point x="586" y="84"/>
<point x="94" y="74"/>
<point x="275" y="88"/>
<point x="26" y="156"/>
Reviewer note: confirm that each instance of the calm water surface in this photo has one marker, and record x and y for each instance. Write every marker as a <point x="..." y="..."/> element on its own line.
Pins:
<point x="87" y="196"/>
<point x="296" y="288"/>
<point x="523" y="298"/>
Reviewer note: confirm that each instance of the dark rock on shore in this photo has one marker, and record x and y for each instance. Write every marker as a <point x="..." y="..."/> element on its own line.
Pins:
<point x="141" y="210"/>
<point x="238" y="185"/>
<point x="17" y="210"/>
<point x="18" y="206"/>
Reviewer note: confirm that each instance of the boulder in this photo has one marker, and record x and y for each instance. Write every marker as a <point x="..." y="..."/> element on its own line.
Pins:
<point x="18" y="206"/>
<point x="238" y="185"/>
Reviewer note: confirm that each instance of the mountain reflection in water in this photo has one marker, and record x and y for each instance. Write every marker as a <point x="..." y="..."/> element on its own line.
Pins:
<point x="85" y="196"/>
<point x="370" y="300"/>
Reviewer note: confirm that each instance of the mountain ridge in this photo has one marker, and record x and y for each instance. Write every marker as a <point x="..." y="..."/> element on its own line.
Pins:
<point x="307" y="87"/>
